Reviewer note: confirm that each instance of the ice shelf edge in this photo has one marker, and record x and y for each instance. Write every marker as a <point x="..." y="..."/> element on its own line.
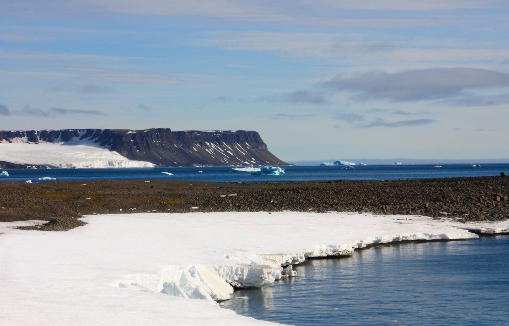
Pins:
<point x="217" y="282"/>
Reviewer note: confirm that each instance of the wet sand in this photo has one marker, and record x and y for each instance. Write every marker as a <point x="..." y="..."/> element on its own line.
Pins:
<point x="62" y="203"/>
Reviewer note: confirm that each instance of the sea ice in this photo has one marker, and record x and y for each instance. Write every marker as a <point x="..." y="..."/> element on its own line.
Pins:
<point x="167" y="173"/>
<point x="139" y="269"/>
<point x="4" y="174"/>
<point x="46" y="179"/>
<point x="262" y="170"/>
<point x="248" y="169"/>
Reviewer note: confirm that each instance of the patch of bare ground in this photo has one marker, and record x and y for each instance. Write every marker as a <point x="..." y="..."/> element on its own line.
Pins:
<point x="62" y="203"/>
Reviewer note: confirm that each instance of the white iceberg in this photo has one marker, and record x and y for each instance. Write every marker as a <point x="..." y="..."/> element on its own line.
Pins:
<point x="4" y="174"/>
<point x="344" y="163"/>
<point x="46" y="179"/>
<point x="249" y="169"/>
<point x="167" y="173"/>
<point x="272" y="170"/>
<point x="262" y="170"/>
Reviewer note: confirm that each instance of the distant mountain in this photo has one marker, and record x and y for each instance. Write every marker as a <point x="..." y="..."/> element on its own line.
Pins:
<point x="160" y="147"/>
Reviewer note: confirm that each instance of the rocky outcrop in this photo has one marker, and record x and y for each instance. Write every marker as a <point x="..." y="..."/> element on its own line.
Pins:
<point x="162" y="146"/>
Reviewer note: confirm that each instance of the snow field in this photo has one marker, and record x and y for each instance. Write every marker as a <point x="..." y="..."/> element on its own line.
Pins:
<point x="143" y="269"/>
<point x="77" y="154"/>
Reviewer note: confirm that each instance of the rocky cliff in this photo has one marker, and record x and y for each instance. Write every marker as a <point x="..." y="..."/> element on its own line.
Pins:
<point x="161" y="146"/>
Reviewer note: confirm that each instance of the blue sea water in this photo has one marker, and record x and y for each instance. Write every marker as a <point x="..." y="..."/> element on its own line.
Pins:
<point x="437" y="283"/>
<point x="293" y="173"/>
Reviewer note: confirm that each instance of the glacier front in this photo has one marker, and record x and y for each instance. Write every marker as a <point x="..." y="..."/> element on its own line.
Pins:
<point x="80" y="154"/>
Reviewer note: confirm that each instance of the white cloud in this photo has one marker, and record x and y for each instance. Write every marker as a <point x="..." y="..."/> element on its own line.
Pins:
<point x="60" y="56"/>
<point x="29" y="111"/>
<point x="300" y="97"/>
<point x="405" y="5"/>
<point x="121" y="76"/>
<point x="94" y="89"/>
<point x="290" y="116"/>
<point x="361" y="49"/>
<point x="21" y="38"/>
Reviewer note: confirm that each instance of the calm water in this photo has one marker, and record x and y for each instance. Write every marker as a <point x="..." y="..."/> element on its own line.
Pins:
<point x="446" y="283"/>
<point x="293" y="173"/>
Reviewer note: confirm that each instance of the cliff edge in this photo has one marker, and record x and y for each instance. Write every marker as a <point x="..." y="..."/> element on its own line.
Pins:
<point x="159" y="146"/>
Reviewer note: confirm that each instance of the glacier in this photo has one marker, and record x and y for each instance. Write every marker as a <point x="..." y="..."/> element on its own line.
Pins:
<point x="156" y="269"/>
<point x="73" y="154"/>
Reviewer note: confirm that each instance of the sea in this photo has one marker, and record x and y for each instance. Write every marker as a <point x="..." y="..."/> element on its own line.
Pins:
<point x="439" y="283"/>
<point x="433" y="283"/>
<point x="292" y="173"/>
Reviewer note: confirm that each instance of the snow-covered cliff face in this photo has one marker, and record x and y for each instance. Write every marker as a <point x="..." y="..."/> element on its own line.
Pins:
<point x="156" y="146"/>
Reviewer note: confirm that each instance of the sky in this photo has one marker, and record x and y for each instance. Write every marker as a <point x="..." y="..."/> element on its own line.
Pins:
<point x="318" y="79"/>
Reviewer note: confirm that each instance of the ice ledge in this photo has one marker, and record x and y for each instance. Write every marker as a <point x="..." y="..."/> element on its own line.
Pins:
<point x="217" y="282"/>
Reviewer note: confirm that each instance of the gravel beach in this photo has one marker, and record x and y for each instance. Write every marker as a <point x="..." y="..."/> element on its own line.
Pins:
<point x="62" y="203"/>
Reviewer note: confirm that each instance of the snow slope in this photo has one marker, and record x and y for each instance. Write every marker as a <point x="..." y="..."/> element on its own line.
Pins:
<point x="66" y="155"/>
<point x="141" y="269"/>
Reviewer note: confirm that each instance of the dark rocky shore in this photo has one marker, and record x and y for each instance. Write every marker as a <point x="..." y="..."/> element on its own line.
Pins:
<point x="62" y="203"/>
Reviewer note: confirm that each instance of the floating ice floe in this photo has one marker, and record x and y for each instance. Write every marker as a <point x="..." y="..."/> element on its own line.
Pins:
<point x="262" y="170"/>
<point x="167" y="173"/>
<point x="249" y="169"/>
<point x="46" y="179"/>
<point x="4" y="174"/>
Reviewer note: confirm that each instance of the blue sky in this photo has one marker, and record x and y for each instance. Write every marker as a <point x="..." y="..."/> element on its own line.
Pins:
<point x="319" y="79"/>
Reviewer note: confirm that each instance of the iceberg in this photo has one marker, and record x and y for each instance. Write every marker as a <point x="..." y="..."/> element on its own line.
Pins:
<point x="343" y="163"/>
<point x="46" y="179"/>
<point x="272" y="170"/>
<point x="4" y="174"/>
<point x="262" y="170"/>
<point x="249" y="169"/>
<point x="167" y="173"/>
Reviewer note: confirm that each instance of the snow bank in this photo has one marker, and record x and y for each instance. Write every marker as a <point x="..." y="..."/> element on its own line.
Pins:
<point x="81" y="155"/>
<point x="141" y="269"/>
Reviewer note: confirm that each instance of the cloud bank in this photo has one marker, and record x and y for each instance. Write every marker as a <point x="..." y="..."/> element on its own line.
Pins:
<point x="417" y="85"/>
<point x="361" y="121"/>
<point x="28" y="111"/>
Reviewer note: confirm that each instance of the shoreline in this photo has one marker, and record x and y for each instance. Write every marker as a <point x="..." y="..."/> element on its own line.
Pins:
<point x="62" y="203"/>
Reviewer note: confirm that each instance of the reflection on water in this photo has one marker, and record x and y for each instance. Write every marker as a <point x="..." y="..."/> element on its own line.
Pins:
<point x="454" y="283"/>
